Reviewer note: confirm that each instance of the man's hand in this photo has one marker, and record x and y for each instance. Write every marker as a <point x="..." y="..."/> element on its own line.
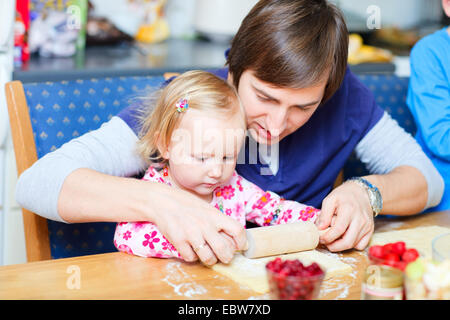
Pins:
<point x="347" y="211"/>
<point x="198" y="230"/>
<point x="193" y="226"/>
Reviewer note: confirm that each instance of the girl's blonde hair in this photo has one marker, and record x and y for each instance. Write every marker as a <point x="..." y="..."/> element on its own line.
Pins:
<point x="203" y="91"/>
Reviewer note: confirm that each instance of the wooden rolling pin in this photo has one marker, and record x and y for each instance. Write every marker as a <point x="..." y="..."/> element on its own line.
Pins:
<point x="280" y="239"/>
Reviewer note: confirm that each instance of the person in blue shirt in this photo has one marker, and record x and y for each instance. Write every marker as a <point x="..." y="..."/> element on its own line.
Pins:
<point x="288" y="62"/>
<point x="429" y="100"/>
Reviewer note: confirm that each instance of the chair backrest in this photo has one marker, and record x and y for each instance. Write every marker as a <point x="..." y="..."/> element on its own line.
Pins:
<point x="390" y="94"/>
<point x="44" y="116"/>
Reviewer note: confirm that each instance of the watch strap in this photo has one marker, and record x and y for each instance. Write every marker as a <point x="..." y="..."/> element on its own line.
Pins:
<point x="371" y="189"/>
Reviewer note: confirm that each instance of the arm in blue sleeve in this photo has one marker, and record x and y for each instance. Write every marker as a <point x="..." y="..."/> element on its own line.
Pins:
<point x="429" y="99"/>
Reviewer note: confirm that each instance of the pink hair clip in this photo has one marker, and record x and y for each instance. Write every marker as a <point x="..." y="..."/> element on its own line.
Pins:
<point x="182" y="105"/>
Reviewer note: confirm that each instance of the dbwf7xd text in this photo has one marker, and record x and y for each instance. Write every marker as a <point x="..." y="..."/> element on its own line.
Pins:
<point x="227" y="309"/>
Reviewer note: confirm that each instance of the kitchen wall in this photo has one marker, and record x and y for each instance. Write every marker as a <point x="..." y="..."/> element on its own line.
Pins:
<point x="400" y="13"/>
<point x="14" y="239"/>
<point x="12" y="242"/>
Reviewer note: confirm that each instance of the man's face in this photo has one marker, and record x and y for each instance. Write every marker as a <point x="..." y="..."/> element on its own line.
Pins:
<point x="274" y="112"/>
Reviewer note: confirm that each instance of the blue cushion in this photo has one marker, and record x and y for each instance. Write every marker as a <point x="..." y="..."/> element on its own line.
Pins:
<point x="390" y="94"/>
<point x="60" y="111"/>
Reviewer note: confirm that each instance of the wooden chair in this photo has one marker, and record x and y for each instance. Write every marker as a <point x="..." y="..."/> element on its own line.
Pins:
<point x="35" y="227"/>
<point x="69" y="108"/>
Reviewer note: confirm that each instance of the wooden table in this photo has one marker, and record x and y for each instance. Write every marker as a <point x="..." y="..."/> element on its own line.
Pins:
<point x="121" y="276"/>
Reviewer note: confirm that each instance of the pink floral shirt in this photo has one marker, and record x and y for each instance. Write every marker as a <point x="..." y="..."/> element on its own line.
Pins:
<point x="239" y="199"/>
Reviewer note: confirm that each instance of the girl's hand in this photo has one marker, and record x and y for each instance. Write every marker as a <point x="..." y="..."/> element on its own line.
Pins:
<point x="347" y="211"/>
<point x="197" y="229"/>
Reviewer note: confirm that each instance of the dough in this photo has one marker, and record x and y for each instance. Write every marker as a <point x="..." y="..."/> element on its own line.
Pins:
<point x="252" y="272"/>
<point x="418" y="238"/>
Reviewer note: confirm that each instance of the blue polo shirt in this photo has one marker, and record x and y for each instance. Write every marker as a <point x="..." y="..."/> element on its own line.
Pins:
<point x="429" y="102"/>
<point x="310" y="158"/>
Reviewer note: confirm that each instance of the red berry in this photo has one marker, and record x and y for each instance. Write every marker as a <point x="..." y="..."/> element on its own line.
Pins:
<point x="410" y="255"/>
<point x="376" y="251"/>
<point x="399" y="248"/>
<point x="387" y="248"/>
<point x="286" y="286"/>
<point x="391" y="260"/>
<point x="392" y="257"/>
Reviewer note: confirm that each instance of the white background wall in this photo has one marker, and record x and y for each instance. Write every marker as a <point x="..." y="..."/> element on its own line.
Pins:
<point x="14" y="239"/>
<point x="401" y="13"/>
<point x="12" y="243"/>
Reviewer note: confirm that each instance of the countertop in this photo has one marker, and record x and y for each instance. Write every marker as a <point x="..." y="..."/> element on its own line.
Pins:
<point x="173" y="55"/>
<point x="118" y="275"/>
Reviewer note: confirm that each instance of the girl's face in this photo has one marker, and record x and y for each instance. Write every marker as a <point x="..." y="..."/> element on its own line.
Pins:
<point x="203" y="151"/>
<point x="274" y="112"/>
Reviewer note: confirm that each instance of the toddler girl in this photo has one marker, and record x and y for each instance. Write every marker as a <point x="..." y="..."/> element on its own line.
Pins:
<point x="191" y="140"/>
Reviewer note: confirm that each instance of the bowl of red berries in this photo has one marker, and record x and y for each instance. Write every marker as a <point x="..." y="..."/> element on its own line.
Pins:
<point x="392" y="254"/>
<point x="291" y="280"/>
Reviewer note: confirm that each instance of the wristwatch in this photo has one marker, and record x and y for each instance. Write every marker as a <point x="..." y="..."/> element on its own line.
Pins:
<point x="376" y="202"/>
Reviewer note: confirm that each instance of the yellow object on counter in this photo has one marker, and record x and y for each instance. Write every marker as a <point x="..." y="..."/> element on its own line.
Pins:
<point x="155" y="27"/>
<point x="358" y="52"/>
<point x="152" y="33"/>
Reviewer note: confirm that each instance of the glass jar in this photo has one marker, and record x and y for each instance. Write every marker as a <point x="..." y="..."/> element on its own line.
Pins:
<point x="428" y="280"/>
<point x="294" y="287"/>
<point x="382" y="282"/>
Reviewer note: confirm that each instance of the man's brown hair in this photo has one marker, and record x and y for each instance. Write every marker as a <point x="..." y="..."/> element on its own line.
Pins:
<point x="292" y="44"/>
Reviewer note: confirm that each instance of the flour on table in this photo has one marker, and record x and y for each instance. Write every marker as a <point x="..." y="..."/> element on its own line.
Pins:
<point x="419" y="238"/>
<point x="181" y="282"/>
<point x="252" y="272"/>
<point x="265" y="296"/>
<point x="337" y="285"/>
